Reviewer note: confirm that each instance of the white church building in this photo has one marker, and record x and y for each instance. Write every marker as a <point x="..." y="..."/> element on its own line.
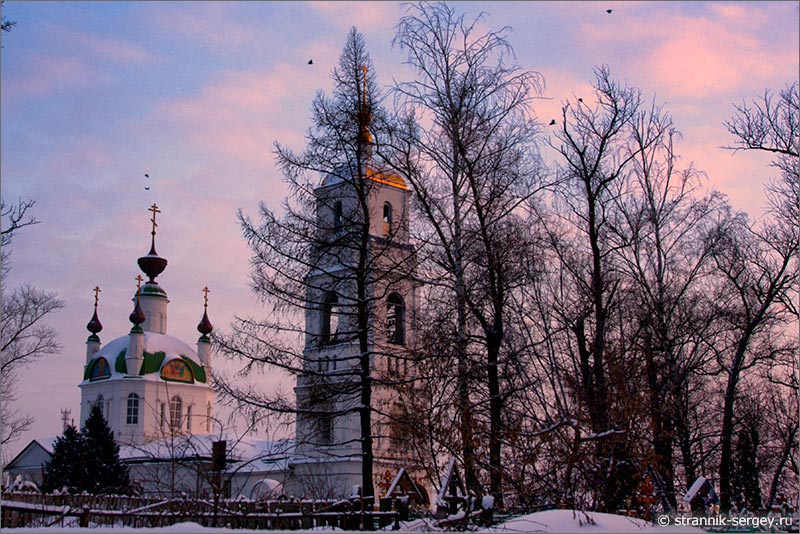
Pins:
<point x="155" y="390"/>
<point x="149" y="384"/>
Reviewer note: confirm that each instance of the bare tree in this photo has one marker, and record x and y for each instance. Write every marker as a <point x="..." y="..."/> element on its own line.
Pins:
<point x="326" y="267"/>
<point x="24" y="336"/>
<point x="759" y="263"/>
<point x="466" y="148"/>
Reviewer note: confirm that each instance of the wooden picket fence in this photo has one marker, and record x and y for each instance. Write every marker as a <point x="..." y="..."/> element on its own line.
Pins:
<point x="83" y="510"/>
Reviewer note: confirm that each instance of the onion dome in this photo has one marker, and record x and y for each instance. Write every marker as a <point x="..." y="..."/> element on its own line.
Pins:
<point x="137" y="317"/>
<point x="205" y="327"/>
<point x="94" y="326"/>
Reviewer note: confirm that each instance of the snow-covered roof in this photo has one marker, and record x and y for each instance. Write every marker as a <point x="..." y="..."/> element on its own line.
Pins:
<point x="258" y="455"/>
<point x="159" y="350"/>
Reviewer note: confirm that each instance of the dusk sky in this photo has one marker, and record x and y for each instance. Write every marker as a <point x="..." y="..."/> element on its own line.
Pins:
<point x="96" y="94"/>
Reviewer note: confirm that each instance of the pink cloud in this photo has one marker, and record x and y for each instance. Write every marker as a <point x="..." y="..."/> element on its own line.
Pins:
<point x="362" y="15"/>
<point x="44" y="74"/>
<point x="206" y="22"/>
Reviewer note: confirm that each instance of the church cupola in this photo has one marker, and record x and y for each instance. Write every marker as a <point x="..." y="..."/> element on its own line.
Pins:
<point x="94" y="327"/>
<point x="153" y="298"/>
<point x="135" y="353"/>
<point x="204" y="343"/>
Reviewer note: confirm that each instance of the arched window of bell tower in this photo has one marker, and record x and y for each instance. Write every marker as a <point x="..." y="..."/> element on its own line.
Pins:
<point x="330" y="319"/>
<point x="387" y="218"/>
<point x="395" y="319"/>
<point x="337" y="214"/>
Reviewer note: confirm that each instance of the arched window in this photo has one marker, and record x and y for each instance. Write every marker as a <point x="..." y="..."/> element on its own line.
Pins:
<point x="208" y="417"/>
<point x="132" y="417"/>
<point x="330" y="319"/>
<point x="395" y="319"/>
<point x="175" y="412"/>
<point x="387" y="218"/>
<point x="337" y="214"/>
<point x="189" y="418"/>
<point x="163" y="418"/>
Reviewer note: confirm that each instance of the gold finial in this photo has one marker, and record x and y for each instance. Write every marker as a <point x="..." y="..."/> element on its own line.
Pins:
<point x="96" y="293"/>
<point x="155" y="210"/>
<point x="139" y="281"/>
<point x="205" y="296"/>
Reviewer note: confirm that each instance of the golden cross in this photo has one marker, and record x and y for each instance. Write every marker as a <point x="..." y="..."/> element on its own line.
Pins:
<point x="139" y="281"/>
<point x="205" y="296"/>
<point x="155" y="210"/>
<point x="96" y="292"/>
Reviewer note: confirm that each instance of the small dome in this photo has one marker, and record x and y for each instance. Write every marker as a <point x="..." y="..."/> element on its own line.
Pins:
<point x="94" y="326"/>
<point x="137" y="317"/>
<point x="152" y="265"/>
<point x="205" y="327"/>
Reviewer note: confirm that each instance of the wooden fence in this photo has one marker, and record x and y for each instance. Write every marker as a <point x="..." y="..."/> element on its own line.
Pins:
<point x="67" y="510"/>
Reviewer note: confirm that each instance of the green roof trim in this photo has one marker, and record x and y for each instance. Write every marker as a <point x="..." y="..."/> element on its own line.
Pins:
<point x="119" y="364"/>
<point x="204" y="339"/>
<point x="197" y="370"/>
<point x="93" y="337"/>
<point x="152" y="291"/>
<point x="137" y="330"/>
<point x="152" y="362"/>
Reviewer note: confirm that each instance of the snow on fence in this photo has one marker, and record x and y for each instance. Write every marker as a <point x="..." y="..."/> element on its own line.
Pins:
<point x="268" y="515"/>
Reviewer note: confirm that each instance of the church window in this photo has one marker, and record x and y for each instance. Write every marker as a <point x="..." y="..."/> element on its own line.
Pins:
<point x="326" y="429"/>
<point x="330" y="319"/>
<point x="189" y="418"/>
<point x="163" y="420"/>
<point x="337" y="214"/>
<point x="208" y="417"/>
<point x="175" y="412"/>
<point x="132" y="417"/>
<point x="100" y="404"/>
<point x="387" y="218"/>
<point x="395" y="319"/>
<point x="100" y="369"/>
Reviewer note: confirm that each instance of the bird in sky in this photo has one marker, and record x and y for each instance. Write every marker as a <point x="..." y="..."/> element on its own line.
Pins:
<point x="146" y="175"/>
<point x="146" y="188"/>
<point x="552" y="122"/>
<point x="310" y="61"/>
<point x="609" y="10"/>
<point x="580" y="100"/>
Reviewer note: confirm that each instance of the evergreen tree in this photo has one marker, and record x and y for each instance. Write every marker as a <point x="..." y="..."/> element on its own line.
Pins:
<point x="65" y="469"/>
<point x="105" y="473"/>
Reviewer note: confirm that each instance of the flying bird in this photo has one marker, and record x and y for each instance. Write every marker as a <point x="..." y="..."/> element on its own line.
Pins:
<point x="146" y="175"/>
<point x="310" y="61"/>
<point x="146" y="188"/>
<point x="609" y="10"/>
<point x="580" y="100"/>
<point x="552" y="122"/>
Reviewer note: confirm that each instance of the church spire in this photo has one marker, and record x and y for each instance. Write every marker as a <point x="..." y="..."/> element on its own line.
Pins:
<point x="152" y="265"/>
<point x="205" y="327"/>
<point x="95" y="326"/>
<point x="137" y="317"/>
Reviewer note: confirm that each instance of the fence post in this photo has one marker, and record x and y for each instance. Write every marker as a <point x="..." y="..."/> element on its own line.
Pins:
<point x="84" y="518"/>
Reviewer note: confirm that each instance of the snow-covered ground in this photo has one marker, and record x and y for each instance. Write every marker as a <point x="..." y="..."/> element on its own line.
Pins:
<point x="579" y="522"/>
<point x="550" y="521"/>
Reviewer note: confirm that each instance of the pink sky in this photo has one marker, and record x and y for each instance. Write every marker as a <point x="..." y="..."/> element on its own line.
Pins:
<point x="95" y="94"/>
